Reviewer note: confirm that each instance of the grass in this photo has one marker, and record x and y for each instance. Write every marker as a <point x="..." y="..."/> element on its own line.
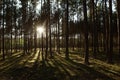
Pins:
<point x="32" y="67"/>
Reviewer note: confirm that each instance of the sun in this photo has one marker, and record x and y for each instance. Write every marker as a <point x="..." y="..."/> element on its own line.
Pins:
<point x="40" y="30"/>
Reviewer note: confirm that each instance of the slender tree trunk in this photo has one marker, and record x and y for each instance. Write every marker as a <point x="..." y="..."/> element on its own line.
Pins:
<point x="35" y="39"/>
<point x="0" y="43"/>
<point x="107" y="29"/>
<point x="50" y="41"/>
<point x="23" y="22"/>
<point x="42" y="48"/>
<point x="118" y="24"/>
<point x="111" y="33"/>
<point x="67" y="31"/>
<point x="19" y="41"/>
<point x="0" y="38"/>
<point x="11" y="41"/>
<point x="31" y="41"/>
<point x="54" y="44"/>
<point x="58" y="36"/>
<point x="94" y="29"/>
<point x="46" y="52"/>
<point x="15" y="40"/>
<point x="86" y="32"/>
<point x="73" y="35"/>
<point x="22" y="48"/>
<point x="11" y="26"/>
<point x="104" y="29"/>
<point x="3" y="45"/>
<point x="80" y="40"/>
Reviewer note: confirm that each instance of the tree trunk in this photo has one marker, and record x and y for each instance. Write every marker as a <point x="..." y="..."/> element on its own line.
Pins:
<point x="111" y="33"/>
<point x="35" y="39"/>
<point x="118" y="24"/>
<point x="107" y="29"/>
<point x="42" y="48"/>
<point x="104" y="29"/>
<point x="50" y="41"/>
<point x="3" y="45"/>
<point x="15" y="40"/>
<point x="23" y="23"/>
<point x="94" y="29"/>
<point x="86" y="32"/>
<point x="67" y="31"/>
<point x="58" y="36"/>
<point x="46" y="52"/>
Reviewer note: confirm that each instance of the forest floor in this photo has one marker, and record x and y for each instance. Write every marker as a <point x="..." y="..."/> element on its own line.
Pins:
<point x="32" y="67"/>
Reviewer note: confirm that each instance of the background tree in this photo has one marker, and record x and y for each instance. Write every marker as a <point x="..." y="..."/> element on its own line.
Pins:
<point x="118" y="24"/>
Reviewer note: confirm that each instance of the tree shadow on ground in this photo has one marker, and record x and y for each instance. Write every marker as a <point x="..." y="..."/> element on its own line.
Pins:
<point x="10" y="62"/>
<point x="57" y="68"/>
<point x="81" y="71"/>
<point x="39" y="71"/>
<point x="90" y="73"/>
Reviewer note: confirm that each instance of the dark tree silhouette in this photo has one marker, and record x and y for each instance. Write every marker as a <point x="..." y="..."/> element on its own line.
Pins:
<point x="118" y="24"/>
<point x="110" y="33"/>
<point x="67" y="30"/>
<point x="3" y="20"/>
<point x="86" y="32"/>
